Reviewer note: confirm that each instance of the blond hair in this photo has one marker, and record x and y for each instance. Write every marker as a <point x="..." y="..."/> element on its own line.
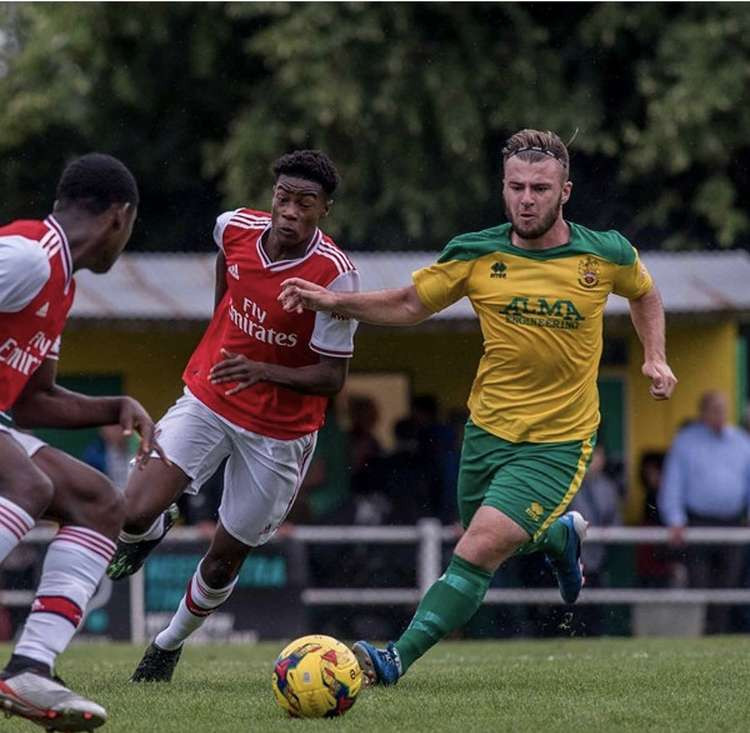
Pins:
<point x="534" y="146"/>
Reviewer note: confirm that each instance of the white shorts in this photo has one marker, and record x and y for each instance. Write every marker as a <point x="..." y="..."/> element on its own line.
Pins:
<point x="28" y="442"/>
<point x="262" y="476"/>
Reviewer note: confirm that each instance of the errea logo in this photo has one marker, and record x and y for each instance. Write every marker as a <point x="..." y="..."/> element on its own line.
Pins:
<point x="499" y="269"/>
<point x="535" y="511"/>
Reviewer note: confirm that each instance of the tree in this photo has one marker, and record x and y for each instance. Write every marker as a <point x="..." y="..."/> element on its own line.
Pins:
<point x="412" y="101"/>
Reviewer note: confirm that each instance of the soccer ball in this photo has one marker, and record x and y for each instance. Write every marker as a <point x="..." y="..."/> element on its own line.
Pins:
<point x="316" y="676"/>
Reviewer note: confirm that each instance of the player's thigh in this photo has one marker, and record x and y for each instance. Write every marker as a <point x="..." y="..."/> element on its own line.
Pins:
<point x="261" y="481"/>
<point x="195" y="441"/>
<point x="535" y="486"/>
<point x="20" y="480"/>
<point x="82" y="496"/>
<point x="482" y="456"/>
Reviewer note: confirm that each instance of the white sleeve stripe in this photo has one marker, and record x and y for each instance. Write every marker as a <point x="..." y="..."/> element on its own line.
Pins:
<point x="250" y="215"/>
<point x="333" y="248"/>
<point x="237" y="224"/>
<point x="339" y="267"/>
<point x="331" y="352"/>
<point x="334" y="255"/>
<point x="338" y="254"/>
<point x="250" y="218"/>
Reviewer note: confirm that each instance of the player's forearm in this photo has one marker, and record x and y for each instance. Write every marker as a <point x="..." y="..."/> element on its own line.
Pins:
<point x="398" y="307"/>
<point x="60" y="408"/>
<point x="647" y="314"/>
<point x="316" y="379"/>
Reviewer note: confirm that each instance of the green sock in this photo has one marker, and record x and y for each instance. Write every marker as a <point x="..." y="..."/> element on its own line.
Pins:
<point x="449" y="603"/>
<point x="552" y="542"/>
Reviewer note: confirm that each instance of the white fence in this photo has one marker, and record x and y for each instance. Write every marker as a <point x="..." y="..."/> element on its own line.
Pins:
<point x="429" y="536"/>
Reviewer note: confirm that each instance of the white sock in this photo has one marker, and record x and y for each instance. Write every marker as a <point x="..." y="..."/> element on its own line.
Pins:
<point x="14" y="524"/>
<point x="154" y="532"/>
<point x="198" y="603"/>
<point x="74" y="565"/>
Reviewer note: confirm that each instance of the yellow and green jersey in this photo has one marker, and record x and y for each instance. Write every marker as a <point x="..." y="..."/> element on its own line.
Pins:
<point x="541" y="314"/>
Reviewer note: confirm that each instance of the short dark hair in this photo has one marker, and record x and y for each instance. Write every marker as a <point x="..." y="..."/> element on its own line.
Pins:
<point x="312" y="165"/>
<point x="96" y="181"/>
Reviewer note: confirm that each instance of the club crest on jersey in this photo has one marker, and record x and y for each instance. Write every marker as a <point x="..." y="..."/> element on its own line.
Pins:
<point x="588" y="272"/>
<point x="234" y="271"/>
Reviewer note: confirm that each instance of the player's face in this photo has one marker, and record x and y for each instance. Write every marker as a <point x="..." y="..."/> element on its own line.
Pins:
<point x="534" y="194"/>
<point x="715" y="411"/>
<point x="120" y="218"/>
<point x="298" y="205"/>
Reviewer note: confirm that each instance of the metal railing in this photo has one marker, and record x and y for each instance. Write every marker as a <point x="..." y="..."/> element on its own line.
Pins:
<point x="429" y="536"/>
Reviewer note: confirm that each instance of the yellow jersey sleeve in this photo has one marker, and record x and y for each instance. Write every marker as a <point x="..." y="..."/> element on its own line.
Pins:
<point x="633" y="280"/>
<point x="443" y="283"/>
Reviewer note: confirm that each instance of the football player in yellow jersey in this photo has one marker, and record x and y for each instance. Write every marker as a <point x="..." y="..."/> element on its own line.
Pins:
<point x="538" y="285"/>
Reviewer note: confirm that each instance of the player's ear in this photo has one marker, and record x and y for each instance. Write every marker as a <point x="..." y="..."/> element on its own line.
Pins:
<point x="120" y="215"/>
<point x="327" y="207"/>
<point x="566" y="191"/>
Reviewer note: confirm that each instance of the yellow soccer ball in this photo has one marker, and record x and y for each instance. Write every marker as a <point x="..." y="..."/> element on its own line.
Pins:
<point x="316" y="676"/>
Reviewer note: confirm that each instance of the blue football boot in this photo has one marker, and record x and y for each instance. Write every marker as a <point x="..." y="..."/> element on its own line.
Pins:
<point x="379" y="666"/>
<point x="568" y="568"/>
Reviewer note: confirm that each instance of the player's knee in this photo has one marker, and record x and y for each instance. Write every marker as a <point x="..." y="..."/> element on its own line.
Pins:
<point x="32" y="491"/>
<point x="138" y="514"/>
<point x="485" y="548"/>
<point x="106" y="508"/>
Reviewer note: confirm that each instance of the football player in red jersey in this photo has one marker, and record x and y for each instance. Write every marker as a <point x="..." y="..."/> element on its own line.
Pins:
<point x="256" y="390"/>
<point x="92" y="220"/>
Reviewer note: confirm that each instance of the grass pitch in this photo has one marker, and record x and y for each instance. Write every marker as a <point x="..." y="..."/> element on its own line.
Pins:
<point x="540" y="686"/>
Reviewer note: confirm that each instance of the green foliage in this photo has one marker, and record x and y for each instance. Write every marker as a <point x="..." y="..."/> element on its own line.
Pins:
<point x="412" y="101"/>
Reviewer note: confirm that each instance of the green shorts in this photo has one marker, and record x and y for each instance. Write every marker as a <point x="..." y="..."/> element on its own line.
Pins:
<point x="532" y="483"/>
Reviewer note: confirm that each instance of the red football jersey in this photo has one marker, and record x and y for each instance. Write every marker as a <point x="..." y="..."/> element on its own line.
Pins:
<point x="250" y="321"/>
<point x="32" y="333"/>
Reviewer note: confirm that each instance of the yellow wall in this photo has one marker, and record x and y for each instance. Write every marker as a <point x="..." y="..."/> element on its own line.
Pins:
<point x="440" y="362"/>
<point x="150" y="361"/>
<point x="702" y="357"/>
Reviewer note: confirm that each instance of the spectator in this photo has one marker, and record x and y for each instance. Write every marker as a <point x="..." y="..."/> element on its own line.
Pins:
<point x="406" y="477"/>
<point x="598" y="500"/>
<point x="653" y="562"/>
<point x="325" y="490"/>
<point x="111" y="452"/>
<point x="364" y="448"/>
<point x="451" y="458"/>
<point x="434" y="440"/>
<point x="707" y="484"/>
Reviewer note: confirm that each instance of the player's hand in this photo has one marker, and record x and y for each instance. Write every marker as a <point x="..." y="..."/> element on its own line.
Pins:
<point x="133" y="416"/>
<point x="237" y="368"/>
<point x="662" y="380"/>
<point x="298" y="294"/>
